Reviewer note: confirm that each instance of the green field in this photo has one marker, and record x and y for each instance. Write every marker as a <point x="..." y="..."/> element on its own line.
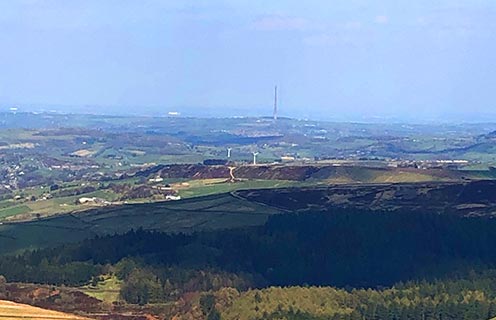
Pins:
<point x="106" y="290"/>
<point x="198" y="188"/>
<point x="14" y="210"/>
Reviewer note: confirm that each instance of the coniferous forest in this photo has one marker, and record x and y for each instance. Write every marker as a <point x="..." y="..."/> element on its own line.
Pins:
<point x="339" y="264"/>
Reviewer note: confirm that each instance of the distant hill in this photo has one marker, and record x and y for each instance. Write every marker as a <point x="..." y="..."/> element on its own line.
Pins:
<point x="328" y="173"/>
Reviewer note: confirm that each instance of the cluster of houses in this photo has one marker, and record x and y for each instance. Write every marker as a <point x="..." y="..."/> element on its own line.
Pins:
<point x="430" y="164"/>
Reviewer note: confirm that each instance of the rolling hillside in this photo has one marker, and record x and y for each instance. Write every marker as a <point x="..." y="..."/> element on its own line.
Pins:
<point x="222" y="211"/>
<point x="248" y="208"/>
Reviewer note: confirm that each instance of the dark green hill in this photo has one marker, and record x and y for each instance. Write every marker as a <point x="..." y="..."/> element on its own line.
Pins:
<point x="250" y="208"/>
<point x="222" y="211"/>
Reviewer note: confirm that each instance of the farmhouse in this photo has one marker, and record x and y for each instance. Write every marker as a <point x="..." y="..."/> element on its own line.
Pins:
<point x="172" y="197"/>
<point x="287" y="158"/>
<point x="86" y="200"/>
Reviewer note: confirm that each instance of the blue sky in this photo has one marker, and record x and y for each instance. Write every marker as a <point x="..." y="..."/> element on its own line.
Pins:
<point x="336" y="59"/>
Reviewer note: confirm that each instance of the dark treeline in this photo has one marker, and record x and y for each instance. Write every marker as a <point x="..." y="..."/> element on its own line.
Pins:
<point x="354" y="248"/>
<point x="345" y="248"/>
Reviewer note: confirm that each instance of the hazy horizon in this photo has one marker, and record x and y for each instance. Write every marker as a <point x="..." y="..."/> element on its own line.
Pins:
<point x="332" y="60"/>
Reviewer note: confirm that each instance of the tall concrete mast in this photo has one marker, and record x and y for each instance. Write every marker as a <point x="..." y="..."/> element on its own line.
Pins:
<point x="275" y="103"/>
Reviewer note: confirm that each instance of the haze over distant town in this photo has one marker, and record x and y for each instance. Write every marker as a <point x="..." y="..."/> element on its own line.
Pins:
<point x="390" y="60"/>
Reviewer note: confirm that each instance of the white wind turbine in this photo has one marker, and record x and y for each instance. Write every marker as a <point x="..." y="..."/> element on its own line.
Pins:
<point x="255" y="157"/>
